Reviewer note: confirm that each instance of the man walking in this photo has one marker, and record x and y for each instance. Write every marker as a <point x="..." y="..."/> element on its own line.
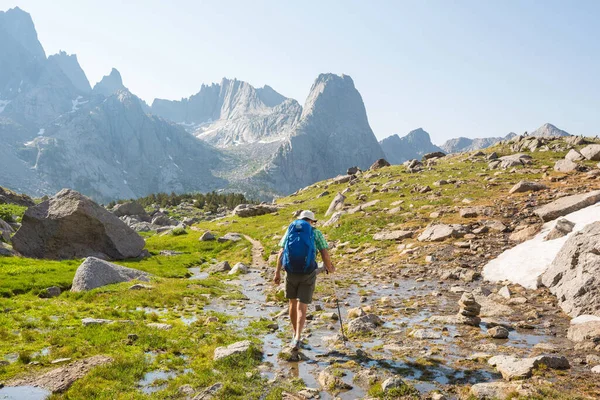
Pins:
<point x="298" y="251"/>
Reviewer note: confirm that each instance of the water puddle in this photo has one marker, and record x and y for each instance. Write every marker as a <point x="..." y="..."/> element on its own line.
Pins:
<point x="197" y="273"/>
<point x="189" y="320"/>
<point x="24" y="393"/>
<point x="148" y="384"/>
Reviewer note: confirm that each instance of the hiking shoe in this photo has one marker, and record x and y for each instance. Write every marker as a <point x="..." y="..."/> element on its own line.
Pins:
<point x="295" y="345"/>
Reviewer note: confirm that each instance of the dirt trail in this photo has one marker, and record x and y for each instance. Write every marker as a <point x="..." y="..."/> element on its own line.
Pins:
<point x="257" y="252"/>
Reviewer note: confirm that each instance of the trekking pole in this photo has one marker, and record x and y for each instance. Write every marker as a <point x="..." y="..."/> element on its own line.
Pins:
<point x="337" y="302"/>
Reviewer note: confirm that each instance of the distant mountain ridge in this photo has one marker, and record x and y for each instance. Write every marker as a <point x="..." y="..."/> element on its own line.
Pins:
<point x="461" y="144"/>
<point x="57" y="131"/>
<point x="414" y="145"/>
<point x="107" y="143"/>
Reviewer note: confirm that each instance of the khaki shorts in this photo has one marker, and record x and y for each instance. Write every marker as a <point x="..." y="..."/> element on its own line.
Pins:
<point x="300" y="286"/>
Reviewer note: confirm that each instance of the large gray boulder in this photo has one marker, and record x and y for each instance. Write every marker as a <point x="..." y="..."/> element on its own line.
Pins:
<point x="94" y="273"/>
<point x="5" y="231"/>
<point x="567" y="205"/>
<point x="574" y="275"/>
<point x="253" y="210"/>
<point x="130" y="208"/>
<point x="566" y="166"/>
<point x="439" y="232"/>
<point x="336" y="204"/>
<point x="70" y="225"/>
<point x="591" y="152"/>
<point x="232" y="350"/>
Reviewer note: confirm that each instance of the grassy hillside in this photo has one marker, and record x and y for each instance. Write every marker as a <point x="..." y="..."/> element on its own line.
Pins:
<point x="34" y="330"/>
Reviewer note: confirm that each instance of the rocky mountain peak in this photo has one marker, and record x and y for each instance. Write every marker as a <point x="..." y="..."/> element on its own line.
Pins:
<point x="419" y="135"/>
<point x="70" y="67"/>
<point x="269" y="96"/>
<point x="332" y="133"/>
<point x="414" y="145"/>
<point x="110" y="84"/>
<point x="19" y="25"/>
<point x="330" y="90"/>
<point x="549" y="130"/>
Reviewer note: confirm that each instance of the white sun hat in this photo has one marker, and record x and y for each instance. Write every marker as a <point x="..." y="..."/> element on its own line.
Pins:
<point x="308" y="215"/>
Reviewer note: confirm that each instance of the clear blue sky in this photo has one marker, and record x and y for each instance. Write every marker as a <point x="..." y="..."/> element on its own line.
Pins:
<point x="456" y="68"/>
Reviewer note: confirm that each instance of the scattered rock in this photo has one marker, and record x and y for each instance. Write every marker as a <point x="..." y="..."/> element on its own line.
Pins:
<point x="574" y="155"/>
<point x="524" y="186"/>
<point x="232" y="349"/>
<point x="469" y="212"/>
<point x="352" y="171"/>
<point x="335" y="218"/>
<point x="60" y="379"/>
<point x="239" y="268"/>
<point x="497" y="390"/>
<point x="423" y="334"/>
<point x="342" y="179"/>
<point x="525" y="233"/>
<point x="562" y="228"/>
<point x="392" y="383"/>
<point x="591" y="152"/>
<point x="139" y="286"/>
<point x="253" y="210"/>
<point x="435" y="154"/>
<point x="336" y="204"/>
<point x="364" y="324"/>
<point x="52" y="291"/>
<point x="379" y="164"/>
<point x="207" y="236"/>
<point x="567" y="205"/>
<point x="159" y="326"/>
<point x="498" y="332"/>
<point x="573" y="275"/>
<point x="95" y="321"/>
<point x="70" y="225"/>
<point x="520" y="368"/>
<point x="223" y="266"/>
<point x="130" y="208"/>
<point x="234" y="237"/>
<point x="566" y="166"/>
<point x="505" y="292"/>
<point x="392" y="235"/>
<point x="581" y="330"/>
<point x="94" y="273"/>
<point x="5" y="231"/>
<point x="209" y="393"/>
<point x="439" y="232"/>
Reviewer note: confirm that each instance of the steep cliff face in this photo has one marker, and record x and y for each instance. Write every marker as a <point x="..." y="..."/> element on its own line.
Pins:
<point x="33" y="91"/>
<point x="69" y="65"/>
<point x="112" y="149"/>
<point x="110" y="84"/>
<point x="333" y="134"/>
<point x="414" y="145"/>
<point x="232" y="113"/>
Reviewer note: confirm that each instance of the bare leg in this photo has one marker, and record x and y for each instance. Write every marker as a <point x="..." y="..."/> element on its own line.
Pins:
<point x="293" y="314"/>
<point x="301" y="319"/>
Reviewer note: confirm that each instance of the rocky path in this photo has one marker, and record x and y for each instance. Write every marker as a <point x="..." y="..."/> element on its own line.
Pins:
<point x="430" y="356"/>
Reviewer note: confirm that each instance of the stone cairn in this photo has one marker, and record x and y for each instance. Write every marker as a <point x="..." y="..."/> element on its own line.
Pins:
<point x="469" y="310"/>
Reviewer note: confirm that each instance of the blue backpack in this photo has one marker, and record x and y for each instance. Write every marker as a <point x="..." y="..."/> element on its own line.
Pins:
<point x="299" y="248"/>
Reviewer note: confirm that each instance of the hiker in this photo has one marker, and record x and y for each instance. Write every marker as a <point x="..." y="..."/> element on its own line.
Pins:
<point x="298" y="255"/>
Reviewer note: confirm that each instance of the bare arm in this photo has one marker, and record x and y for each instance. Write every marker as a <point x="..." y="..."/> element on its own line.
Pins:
<point x="327" y="260"/>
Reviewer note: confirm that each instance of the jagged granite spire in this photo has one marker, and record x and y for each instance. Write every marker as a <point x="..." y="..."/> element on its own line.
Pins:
<point x="71" y="68"/>
<point x="110" y="84"/>
<point x="332" y="135"/>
